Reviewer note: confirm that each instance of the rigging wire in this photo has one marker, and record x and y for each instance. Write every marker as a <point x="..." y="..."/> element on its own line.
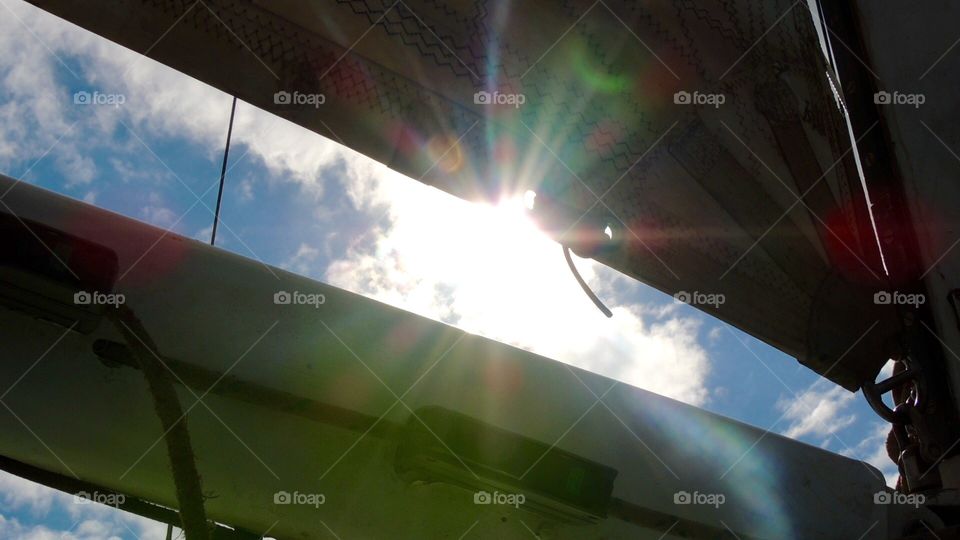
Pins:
<point x="223" y="172"/>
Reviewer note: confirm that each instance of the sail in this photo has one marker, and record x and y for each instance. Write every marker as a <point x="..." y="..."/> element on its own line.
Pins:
<point x="699" y="147"/>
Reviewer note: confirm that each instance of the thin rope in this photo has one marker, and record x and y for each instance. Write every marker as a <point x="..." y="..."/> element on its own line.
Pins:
<point x="186" y="478"/>
<point x="583" y="284"/>
<point x="223" y="173"/>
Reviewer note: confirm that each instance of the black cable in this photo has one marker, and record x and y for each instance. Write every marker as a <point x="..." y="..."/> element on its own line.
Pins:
<point x="223" y="173"/>
<point x="583" y="284"/>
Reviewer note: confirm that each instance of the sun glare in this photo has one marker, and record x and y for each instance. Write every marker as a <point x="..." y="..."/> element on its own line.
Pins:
<point x="493" y="255"/>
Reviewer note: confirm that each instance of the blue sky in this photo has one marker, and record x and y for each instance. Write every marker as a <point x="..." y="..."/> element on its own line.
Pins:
<point x="300" y="201"/>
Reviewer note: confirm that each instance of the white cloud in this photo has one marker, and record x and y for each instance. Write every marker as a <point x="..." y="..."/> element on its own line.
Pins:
<point x="78" y="170"/>
<point x="17" y="493"/>
<point x="160" y="101"/>
<point x="89" y="529"/>
<point x="303" y="260"/>
<point x="32" y="117"/>
<point x="715" y="334"/>
<point x="490" y="271"/>
<point x="204" y="234"/>
<point x="91" y="521"/>
<point x="13" y="528"/>
<point x="127" y="171"/>
<point x="819" y="411"/>
<point x="820" y="414"/>
<point x="159" y="216"/>
<point x="246" y="190"/>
